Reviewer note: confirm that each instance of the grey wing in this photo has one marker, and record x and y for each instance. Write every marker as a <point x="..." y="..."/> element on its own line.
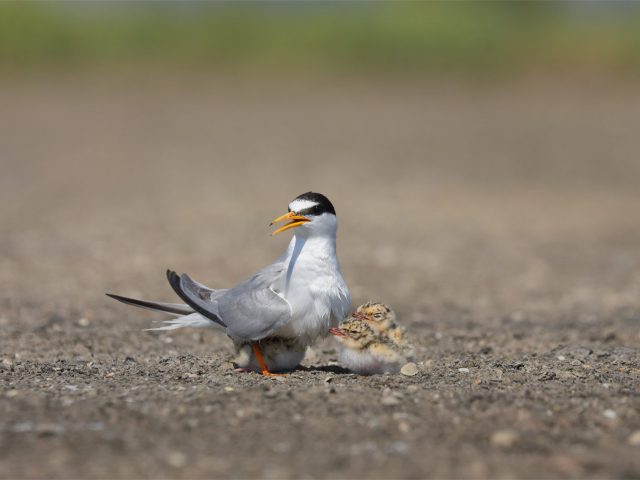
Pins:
<point x="253" y="310"/>
<point x="202" y="291"/>
<point x="196" y="295"/>
<point x="249" y="311"/>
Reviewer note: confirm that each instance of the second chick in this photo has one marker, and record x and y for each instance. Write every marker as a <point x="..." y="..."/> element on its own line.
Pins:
<point x="372" y="342"/>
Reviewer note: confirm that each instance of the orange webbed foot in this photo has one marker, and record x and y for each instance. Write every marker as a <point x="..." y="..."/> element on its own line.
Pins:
<point x="263" y="366"/>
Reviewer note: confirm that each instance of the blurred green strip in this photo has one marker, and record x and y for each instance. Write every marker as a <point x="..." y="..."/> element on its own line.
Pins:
<point x="431" y="37"/>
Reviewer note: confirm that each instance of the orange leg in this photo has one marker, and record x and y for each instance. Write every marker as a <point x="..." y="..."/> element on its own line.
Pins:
<point x="263" y="366"/>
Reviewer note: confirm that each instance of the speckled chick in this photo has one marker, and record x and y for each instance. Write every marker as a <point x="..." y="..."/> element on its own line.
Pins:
<point x="372" y="342"/>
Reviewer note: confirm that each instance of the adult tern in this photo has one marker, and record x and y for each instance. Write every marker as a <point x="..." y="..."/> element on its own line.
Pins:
<point x="273" y="316"/>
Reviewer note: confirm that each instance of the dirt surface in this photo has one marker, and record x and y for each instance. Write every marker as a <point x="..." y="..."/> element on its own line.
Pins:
<point x="501" y="222"/>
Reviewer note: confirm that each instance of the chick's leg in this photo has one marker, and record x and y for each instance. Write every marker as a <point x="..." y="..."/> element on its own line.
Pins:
<point x="258" y="353"/>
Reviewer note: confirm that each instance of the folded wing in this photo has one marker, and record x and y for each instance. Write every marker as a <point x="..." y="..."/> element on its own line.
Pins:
<point x="196" y="295"/>
<point x="250" y="311"/>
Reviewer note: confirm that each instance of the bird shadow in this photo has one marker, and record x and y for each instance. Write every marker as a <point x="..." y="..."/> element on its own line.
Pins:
<point x="326" y="369"/>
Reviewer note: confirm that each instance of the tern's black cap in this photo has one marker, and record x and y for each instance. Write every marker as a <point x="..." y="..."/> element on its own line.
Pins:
<point x="313" y="203"/>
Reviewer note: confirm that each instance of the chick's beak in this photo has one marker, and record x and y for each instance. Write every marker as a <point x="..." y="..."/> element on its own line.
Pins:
<point x="337" y="332"/>
<point x="296" y="221"/>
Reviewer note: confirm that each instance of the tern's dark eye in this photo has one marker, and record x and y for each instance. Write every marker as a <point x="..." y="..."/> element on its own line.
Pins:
<point x="311" y="211"/>
<point x="310" y="204"/>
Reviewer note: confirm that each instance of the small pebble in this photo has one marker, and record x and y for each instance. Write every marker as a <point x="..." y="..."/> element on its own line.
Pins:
<point x="84" y="322"/>
<point x="390" y="400"/>
<point x="177" y="459"/>
<point x="610" y="414"/>
<point x="561" y="358"/>
<point x="397" y="447"/>
<point x="503" y="438"/>
<point x="193" y="423"/>
<point x="12" y="393"/>
<point x="404" y="426"/>
<point x="409" y="369"/>
<point x="271" y="393"/>
<point x="282" y="447"/>
<point x="23" y="427"/>
<point x="95" y="426"/>
<point x="634" y="439"/>
<point x="229" y="389"/>
<point x="463" y="370"/>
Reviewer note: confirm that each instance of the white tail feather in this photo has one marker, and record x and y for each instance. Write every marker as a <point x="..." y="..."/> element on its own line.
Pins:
<point x="194" y="320"/>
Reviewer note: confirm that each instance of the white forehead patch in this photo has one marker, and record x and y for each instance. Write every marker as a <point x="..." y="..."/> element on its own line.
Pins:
<point x="298" y="205"/>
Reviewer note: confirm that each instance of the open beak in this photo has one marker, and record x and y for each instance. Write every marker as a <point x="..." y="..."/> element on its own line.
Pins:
<point x="337" y="332"/>
<point x="296" y="221"/>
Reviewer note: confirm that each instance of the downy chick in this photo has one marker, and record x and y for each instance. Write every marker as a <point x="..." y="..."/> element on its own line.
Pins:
<point x="372" y="342"/>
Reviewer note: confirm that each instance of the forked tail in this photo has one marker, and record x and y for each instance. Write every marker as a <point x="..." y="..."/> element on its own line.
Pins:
<point x="186" y="316"/>
<point x="195" y="320"/>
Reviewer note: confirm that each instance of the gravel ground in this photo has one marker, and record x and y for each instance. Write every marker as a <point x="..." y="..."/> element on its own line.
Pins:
<point x="501" y="222"/>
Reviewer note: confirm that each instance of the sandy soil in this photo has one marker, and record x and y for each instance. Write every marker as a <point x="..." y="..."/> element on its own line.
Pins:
<point x="501" y="222"/>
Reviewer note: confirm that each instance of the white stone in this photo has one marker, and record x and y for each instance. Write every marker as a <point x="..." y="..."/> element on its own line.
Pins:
<point x="177" y="459"/>
<point x="409" y="369"/>
<point x="634" y="439"/>
<point x="503" y="438"/>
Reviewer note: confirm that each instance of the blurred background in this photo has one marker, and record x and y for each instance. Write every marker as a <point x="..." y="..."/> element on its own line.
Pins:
<point x="151" y="134"/>
<point x="483" y="159"/>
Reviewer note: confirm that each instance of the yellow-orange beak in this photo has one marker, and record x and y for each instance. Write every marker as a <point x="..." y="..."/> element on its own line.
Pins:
<point x="296" y="221"/>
